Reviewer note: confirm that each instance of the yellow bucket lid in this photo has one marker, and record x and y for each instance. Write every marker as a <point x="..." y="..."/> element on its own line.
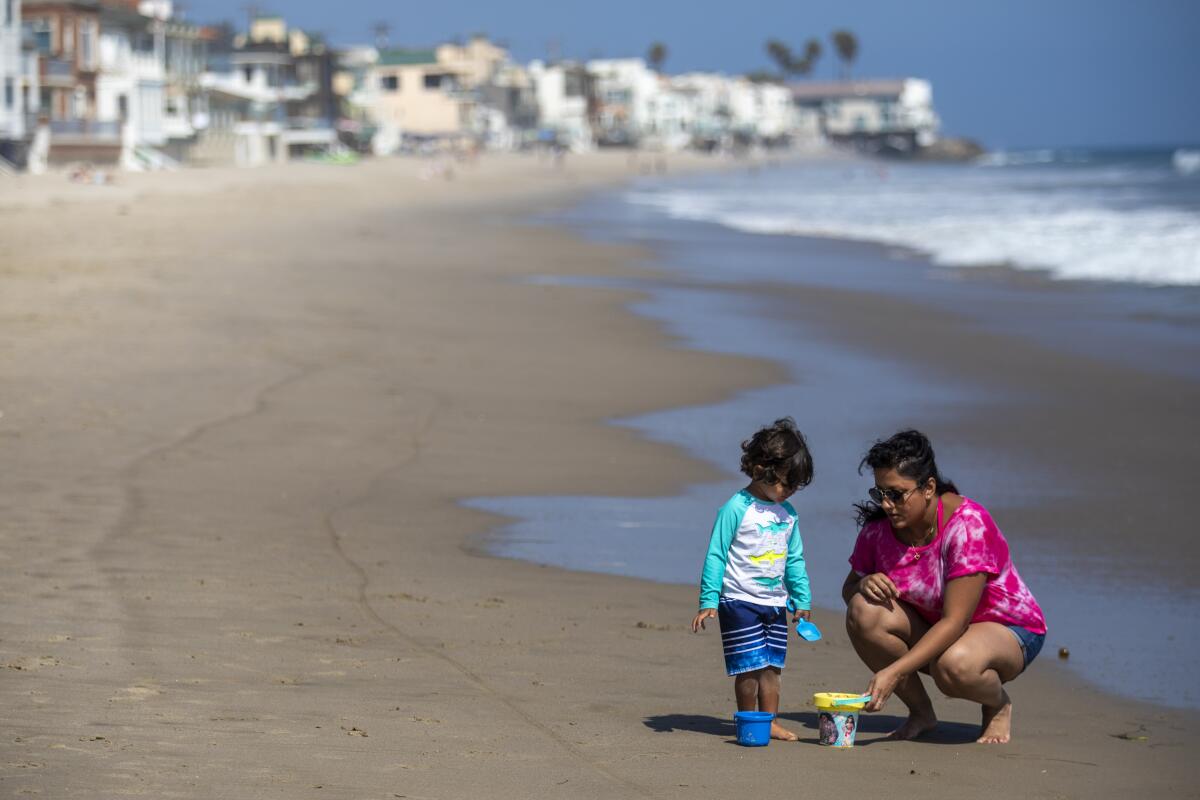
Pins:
<point x="824" y="701"/>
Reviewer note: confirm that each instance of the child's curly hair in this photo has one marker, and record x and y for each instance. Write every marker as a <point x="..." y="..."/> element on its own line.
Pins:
<point x="778" y="453"/>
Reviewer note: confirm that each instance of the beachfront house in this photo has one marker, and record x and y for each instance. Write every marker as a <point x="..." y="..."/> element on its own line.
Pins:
<point x="506" y="116"/>
<point x="727" y="113"/>
<point x="413" y="99"/>
<point x="561" y="94"/>
<point x="670" y="119"/>
<point x="765" y="114"/>
<point x="66" y="35"/>
<point x="446" y="96"/>
<point x="622" y="91"/>
<point x="876" y="116"/>
<point x="270" y="97"/>
<point x="185" y="113"/>
<point x="352" y="94"/>
<point x="708" y="96"/>
<point x="131" y="81"/>
<point x="19" y="86"/>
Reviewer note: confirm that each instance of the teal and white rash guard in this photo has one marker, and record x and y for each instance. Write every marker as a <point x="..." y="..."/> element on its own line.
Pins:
<point x="755" y="555"/>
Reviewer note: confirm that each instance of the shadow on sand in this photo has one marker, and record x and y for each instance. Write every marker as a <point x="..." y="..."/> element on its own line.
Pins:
<point x="872" y="728"/>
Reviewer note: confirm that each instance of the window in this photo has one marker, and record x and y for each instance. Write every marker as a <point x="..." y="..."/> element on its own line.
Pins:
<point x="86" y="38"/>
<point x="433" y="81"/>
<point x="78" y="104"/>
<point x="41" y="36"/>
<point x="8" y="12"/>
<point x="10" y="93"/>
<point x="390" y="83"/>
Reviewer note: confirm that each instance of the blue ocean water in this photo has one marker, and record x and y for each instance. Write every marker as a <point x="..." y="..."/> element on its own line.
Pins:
<point x="1131" y="215"/>
<point x="704" y="299"/>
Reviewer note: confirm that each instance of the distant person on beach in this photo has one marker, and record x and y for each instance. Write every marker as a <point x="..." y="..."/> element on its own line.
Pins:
<point x="755" y="567"/>
<point x="932" y="589"/>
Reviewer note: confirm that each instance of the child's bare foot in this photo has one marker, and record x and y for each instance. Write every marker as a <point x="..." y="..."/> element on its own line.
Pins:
<point x="997" y="723"/>
<point x="782" y="733"/>
<point x="918" y="724"/>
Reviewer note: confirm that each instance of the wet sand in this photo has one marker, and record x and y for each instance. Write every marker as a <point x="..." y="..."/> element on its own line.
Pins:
<point x="239" y="413"/>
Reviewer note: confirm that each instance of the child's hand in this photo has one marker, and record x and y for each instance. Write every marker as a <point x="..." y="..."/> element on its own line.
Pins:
<point x="801" y="613"/>
<point x="698" y="620"/>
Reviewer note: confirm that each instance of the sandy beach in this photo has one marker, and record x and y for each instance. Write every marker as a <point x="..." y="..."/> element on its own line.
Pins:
<point x="240" y="411"/>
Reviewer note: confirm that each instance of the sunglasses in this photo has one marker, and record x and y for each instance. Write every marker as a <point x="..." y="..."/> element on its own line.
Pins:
<point x="895" y="497"/>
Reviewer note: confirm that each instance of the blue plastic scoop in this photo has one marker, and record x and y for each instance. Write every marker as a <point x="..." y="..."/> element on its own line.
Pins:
<point x="808" y="631"/>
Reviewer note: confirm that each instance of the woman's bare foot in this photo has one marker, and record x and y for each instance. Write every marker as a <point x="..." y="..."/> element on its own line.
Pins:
<point x="997" y="723"/>
<point x="782" y="733"/>
<point x="917" y="724"/>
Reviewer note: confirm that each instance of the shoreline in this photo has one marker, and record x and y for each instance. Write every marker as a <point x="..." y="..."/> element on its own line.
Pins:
<point x="1028" y="506"/>
<point x="234" y="559"/>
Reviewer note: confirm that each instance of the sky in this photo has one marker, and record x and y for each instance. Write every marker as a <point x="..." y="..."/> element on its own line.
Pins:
<point x="1009" y="73"/>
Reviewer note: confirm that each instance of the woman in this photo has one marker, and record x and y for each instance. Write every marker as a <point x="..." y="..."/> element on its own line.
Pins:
<point x="932" y="589"/>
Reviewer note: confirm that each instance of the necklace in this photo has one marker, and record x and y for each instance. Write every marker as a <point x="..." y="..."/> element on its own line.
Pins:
<point x="933" y="531"/>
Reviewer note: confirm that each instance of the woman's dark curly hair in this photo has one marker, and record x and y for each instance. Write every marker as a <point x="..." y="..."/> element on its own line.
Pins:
<point x="778" y="453"/>
<point x="910" y="454"/>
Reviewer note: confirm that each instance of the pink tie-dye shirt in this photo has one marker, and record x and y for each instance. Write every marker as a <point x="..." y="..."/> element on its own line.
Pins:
<point x="969" y="543"/>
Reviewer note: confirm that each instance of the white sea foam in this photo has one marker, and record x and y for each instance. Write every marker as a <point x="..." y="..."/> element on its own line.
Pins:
<point x="1186" y="162"/>
<point x="1102" y="222"/>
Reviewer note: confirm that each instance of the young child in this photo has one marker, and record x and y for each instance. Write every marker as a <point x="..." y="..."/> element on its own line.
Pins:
<point x="755" y="565"/>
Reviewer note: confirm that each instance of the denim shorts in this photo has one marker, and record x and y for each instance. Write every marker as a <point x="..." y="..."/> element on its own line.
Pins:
<point x="1031" y="643"/>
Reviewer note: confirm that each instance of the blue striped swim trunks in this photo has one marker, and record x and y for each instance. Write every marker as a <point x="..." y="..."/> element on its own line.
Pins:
<point x="753" y="636"/>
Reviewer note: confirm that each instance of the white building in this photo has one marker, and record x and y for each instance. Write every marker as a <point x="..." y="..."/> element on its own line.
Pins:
<point x="506" y="115"/>
<point x="561" y="92"/>
<point x="623" y="89"/>
<point x="762" y="111"/>
<point x="252" y="97"/>
<point x="131" y="83"/>
<point x="185" y="110"/>
<point x="711" y="102"/>
<point x="670" y="118"/>
<point x="19" y="92"/>
<point x="873" y="115"/>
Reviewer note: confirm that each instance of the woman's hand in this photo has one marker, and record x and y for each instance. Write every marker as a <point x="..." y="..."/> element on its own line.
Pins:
<point x="878" y="588"/>
<point x="881" y="688"/>
<point x="698" y="620"/>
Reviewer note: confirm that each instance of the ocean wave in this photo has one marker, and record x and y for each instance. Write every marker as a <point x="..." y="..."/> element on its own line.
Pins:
<point x="1103" y="225"/>
<point x="1186" y="162"/>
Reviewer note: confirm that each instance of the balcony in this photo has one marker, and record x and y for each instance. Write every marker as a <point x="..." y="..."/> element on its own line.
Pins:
<point x="85" y="130"/>
<point x="58" y="70"/>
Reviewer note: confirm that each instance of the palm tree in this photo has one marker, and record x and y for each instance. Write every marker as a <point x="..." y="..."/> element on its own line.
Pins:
<point x="781" y="54"/>
<point x="812" y="54"/>
<point x="656" y="55"/>
<point x="846" y="44"/>
<point x="788" y="64"/>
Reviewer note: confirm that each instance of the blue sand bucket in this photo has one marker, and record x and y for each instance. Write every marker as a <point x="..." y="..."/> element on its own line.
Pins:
<point x="753" y="727"/>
